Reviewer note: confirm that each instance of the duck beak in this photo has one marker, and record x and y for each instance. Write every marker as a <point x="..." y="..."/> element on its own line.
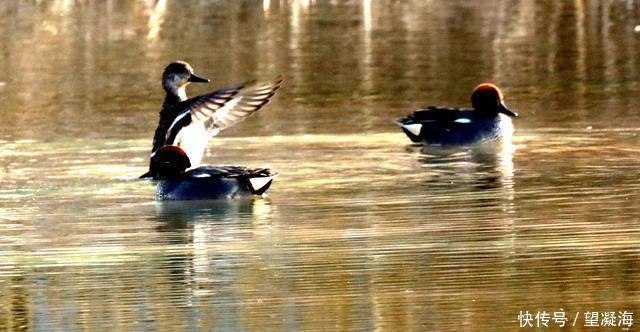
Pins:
<point x="502" y="108"/>
<point x="197" y="79"/>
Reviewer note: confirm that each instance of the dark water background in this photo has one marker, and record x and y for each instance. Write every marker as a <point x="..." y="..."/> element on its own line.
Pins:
<point x="361" y="231"/>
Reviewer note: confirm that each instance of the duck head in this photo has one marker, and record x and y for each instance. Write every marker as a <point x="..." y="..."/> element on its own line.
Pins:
<point x="488" y="99"/>
<point x="176" y="76"/>
<point x="170" y="162"/>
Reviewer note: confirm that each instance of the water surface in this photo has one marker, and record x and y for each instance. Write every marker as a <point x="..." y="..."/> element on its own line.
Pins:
<point x="361" y="230"/>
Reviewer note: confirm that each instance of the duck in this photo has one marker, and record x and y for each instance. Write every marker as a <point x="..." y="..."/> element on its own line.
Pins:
<point x="189" y="123"/>
<point x="489" y="119"/>
<point x="178" y="181"/>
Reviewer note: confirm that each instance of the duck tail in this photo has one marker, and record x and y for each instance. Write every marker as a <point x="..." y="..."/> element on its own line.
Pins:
<point x="259" y="182"/>
<point x="411" y="129"/>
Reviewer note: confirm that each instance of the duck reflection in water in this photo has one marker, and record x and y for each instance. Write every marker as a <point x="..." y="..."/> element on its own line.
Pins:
<point x="487" y="166"/>
<point x="179" y="214"/>
<point x="213" y="243"/>
<point x="199" y="222"/>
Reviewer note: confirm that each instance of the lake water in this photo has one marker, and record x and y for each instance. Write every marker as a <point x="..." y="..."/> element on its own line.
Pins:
<point x="361" y="230"/>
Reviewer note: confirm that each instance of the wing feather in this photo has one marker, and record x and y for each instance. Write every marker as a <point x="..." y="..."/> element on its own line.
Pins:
<point x="223" y="108"/>
<point x="227" y="107"/>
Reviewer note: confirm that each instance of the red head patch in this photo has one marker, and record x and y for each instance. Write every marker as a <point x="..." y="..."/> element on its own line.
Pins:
<point x="172" y="149"/>
<point x="489" y="87"/>
<point x="170" y="161"/>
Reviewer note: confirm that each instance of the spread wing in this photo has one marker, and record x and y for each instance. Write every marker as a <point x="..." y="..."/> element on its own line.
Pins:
<point x="223" y="108"/>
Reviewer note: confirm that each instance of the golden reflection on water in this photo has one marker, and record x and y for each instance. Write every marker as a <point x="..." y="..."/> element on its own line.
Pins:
<point x="564" y="61"/>
<point x="156" y="18"/>
<point x="395" y="238"/>
<point x="361" y="230"/>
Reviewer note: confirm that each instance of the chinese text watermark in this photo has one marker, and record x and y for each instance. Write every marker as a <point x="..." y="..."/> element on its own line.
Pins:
<point x="541" y="319"/>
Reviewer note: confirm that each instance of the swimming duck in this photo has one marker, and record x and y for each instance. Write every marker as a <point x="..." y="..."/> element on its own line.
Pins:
<point x="190" y="123"/>
<point x="205" y="182"/>
<point x="489" y="119"/>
